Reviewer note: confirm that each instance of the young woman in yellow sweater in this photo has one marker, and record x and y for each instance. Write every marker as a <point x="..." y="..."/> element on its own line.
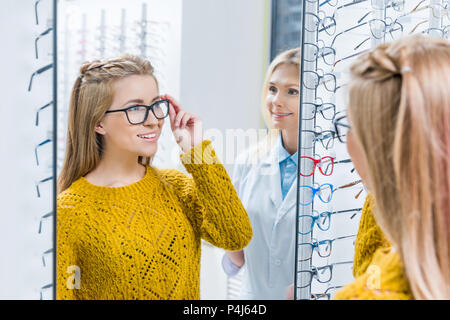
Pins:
<point x="127" y="230"/>
<point x="399" y="140"/>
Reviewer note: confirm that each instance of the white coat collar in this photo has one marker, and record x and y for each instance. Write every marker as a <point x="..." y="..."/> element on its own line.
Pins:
<point x="270" y="166"/>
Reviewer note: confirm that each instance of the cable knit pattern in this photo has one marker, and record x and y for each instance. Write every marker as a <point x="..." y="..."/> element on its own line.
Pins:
<point x="143" y="241"/>
<point x="377" y="268"/>
<point x="369" y="238"/>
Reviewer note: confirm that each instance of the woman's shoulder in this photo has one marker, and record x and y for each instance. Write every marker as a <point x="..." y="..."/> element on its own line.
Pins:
<point x="71" y="201"/>
<point x="384" y="279"/>
<point x="369" y="238"/>
<point x="172" y="177"/>
<point x="72" y="195"/>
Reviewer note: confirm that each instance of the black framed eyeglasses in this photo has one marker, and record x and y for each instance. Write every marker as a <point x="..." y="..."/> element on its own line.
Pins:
<point x="321" y="274"/>
<point x="341" y="127"/>
<point x="138" y="114"/>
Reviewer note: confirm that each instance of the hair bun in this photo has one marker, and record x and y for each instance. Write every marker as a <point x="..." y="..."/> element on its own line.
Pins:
<point x="376" y="64"/>
<point x="382" y="59"/>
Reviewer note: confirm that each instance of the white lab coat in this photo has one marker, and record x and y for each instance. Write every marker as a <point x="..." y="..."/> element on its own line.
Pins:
<point x="270" y="255"/>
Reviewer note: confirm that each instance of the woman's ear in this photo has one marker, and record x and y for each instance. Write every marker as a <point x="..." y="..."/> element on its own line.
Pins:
<point x="99" y="128"/>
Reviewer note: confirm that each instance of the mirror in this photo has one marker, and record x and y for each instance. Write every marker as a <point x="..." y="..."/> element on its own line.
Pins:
<point x="209" y="56"/>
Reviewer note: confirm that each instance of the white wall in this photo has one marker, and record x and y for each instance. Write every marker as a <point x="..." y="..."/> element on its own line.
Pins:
<point x="223" y="62"/>
<point x="21" y="268"/>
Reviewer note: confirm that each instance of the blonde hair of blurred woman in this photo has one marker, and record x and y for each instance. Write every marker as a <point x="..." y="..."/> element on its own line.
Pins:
<point x="399" y="109"/>
<point x="91" y="96"/>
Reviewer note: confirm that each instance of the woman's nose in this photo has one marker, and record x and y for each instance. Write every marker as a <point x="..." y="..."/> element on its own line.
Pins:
<point x="277" y="100"/>
<point x="151" y="119"/>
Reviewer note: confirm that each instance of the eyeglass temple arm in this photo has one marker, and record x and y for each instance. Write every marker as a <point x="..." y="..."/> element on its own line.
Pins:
<point x="44" y="254"/>
<point x="359" y="45"/>
<point x="342" y="262"/>
<point x="40" y="109"/>
<point x="343" y="161"/>
<point x="42" y="218"/>
<point x="345" y="31"/>
<point x="36" y="11"/>
<point x="38" y="72"/>
<point x="48" y="286"/>
<point x="351" y="184"/>
<point x="37" y="39"/>
<point x="38" y="146"/>
<point x="350" y="56"/>
<point x="348" y="210"/>
<point x="350" y="4"/>
<point x="40" y="182"/>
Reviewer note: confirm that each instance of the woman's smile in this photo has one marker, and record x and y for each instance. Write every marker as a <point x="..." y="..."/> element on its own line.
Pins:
<point x="149" y="137"/>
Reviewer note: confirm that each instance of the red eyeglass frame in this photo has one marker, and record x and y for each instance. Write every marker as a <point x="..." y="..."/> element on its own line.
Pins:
<point x="316" y="161"/>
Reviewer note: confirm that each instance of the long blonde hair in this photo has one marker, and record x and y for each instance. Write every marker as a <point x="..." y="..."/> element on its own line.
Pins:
<point x="91" y="97"/>
<point x="399" y="109"/>
<point x="289" y="57"/>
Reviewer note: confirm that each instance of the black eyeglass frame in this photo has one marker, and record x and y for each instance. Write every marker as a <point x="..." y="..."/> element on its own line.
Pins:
<point x="337" y="122"/>
<point x="150" y="107"/>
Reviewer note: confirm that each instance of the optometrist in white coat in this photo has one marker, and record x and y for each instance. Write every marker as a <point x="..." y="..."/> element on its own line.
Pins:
<point x="267" y="189"/>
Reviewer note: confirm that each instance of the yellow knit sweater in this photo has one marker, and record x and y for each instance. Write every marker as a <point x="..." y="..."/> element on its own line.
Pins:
<point x="378" y="270"/>
<point x="143" y="241"/>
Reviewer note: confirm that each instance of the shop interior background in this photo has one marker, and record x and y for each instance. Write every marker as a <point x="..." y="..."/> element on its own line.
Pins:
<point x="212" y="56"/>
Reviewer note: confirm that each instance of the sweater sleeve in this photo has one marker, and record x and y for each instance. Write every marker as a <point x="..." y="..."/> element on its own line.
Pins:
<point x="369" y="238"/>
<point x="210" y="201"/>
<point x="68" y="270"/>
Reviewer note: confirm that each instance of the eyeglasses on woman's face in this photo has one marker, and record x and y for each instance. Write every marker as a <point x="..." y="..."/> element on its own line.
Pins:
<point x="138" y="114"/>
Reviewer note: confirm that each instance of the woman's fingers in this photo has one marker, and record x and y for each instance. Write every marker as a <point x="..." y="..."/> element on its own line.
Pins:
<point x="172" y="115"/>
<point x="185" y="120"/>
<point x="179" y="117"/>
<point x="175" y="111"/>
<point x="172" y="101"/>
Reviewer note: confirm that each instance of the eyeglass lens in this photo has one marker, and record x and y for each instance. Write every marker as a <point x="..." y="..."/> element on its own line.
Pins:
<point x="138" y="114"/>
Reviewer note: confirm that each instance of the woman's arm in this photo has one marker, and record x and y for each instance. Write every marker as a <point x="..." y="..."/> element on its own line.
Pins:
<point x="68" y="272"/>
<point x="209" y="199"/>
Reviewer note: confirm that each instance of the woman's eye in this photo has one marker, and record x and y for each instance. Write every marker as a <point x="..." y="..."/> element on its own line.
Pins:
<point x="293" y="91"/>
<point x="272" y="89"/>
<point x="134" y="108"/>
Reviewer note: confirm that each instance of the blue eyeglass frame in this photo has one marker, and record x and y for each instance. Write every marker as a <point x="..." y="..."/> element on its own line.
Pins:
<point x="316" y="190"/>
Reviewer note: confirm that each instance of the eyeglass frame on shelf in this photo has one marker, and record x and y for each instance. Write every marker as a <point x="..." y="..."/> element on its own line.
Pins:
<point x="337" y="123"/>
<point x="331" y="135"/>
<point x="38" y="72"/>
<point x="40" y="109"/>
<point x="319" y="107"/>
<point x="321" y="23"/>
<point x="38" y="146"/>
<point x="45" y="216"/>
<point x="315" y="218"/>
<point x="41" y="182"/>
<point x="315" y="245"/>
<point x="315" y="270"/>
<point x="320" y="53"/>
<point x="37" y="39"/>
<point x="318" y="161"/>
<point x="317" y="191"/>
<point x="317" y="296"/>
